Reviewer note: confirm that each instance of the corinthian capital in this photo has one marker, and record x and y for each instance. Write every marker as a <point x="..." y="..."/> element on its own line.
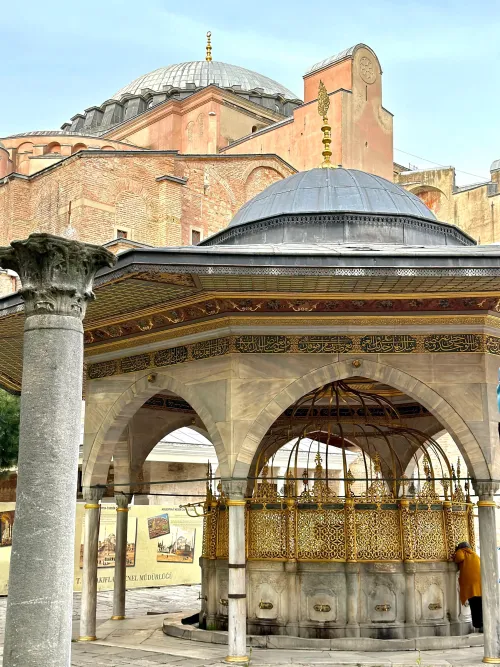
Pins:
<point x="56" y="273"/>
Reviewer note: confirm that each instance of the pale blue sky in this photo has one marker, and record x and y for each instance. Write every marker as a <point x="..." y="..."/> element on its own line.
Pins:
<point x="440" y="60"/>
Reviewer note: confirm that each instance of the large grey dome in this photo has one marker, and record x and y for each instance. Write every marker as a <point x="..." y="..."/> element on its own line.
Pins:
<point x="202" y="73"/>
<point x="495" y="165"/>
<point x="337" y="206"/>
<point x="329" y="190"/>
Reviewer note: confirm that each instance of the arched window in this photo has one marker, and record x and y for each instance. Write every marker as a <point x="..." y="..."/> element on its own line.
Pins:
<point x="54" y="147"/>
<point x="78" y="147"/>
<point x="254" y="128"/>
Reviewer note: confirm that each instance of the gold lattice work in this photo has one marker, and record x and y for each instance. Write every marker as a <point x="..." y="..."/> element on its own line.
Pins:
<point x="267" y="530"/>
<point x="320" y="535"/>
<point x="429" y="535"/>
<point x="378" y="535"/>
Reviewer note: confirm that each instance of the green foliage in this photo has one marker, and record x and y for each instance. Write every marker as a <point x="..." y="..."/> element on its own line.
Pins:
<point x="9" y="429"/>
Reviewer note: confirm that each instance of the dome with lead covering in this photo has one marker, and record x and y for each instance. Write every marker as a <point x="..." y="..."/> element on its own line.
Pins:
<point x="201" y="73"/>
<point x="328" y="190"/>
<point x="337" y="206"/>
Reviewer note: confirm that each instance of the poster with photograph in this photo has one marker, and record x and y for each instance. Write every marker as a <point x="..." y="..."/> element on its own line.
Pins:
<point x="6" y="524"/>
<point x="177" y="547"/>
<point x="158" y="525"/>
<point x="107" y="541"/>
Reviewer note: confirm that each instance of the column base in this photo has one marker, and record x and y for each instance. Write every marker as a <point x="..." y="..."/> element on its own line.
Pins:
<point x="352" y="630"/>
<point x="117" y="618"/>
<point x="492" y="661"/>
<point x="231" y="659"/>
<point x="87" y="639"/>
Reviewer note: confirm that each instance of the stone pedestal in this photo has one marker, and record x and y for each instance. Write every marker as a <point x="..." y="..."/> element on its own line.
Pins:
<point x="92" y="496"/>
<point x="237" y="603"/>
<point x="56" y="277"/>
<point x="122" y="509"/>
<point x="489" y="575"/>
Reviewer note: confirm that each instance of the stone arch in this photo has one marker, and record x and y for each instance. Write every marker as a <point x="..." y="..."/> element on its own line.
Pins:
<point x="408" y="384"/>
<point x="259" y="179"/>
<point x="115" y="423"/>
<point x="78" y="147"/>
<point x="26" y="147"/>
<point x="434" y="198"/>
<point x="53" y="147"/>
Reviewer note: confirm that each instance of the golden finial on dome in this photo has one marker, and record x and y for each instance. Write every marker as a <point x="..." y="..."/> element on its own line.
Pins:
<point x="323" y="106"/>
<point x="209" y="46"/>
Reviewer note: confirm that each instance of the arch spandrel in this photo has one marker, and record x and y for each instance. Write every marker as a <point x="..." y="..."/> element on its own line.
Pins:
<point x="450" y="419"/>
<point x="104" y="427"/>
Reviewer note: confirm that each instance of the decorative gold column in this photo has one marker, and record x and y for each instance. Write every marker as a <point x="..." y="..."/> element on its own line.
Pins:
<point x="449" y="529"/>
<point x="407" y="530"/>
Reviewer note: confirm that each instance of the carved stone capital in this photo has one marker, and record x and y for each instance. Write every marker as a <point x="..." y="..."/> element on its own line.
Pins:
<point x="485" y="489"/>
<point x="234" y="488"/>
<point x="56" y="273"/>
<point x="93" y="494"/>
<point x="123" y="500"/>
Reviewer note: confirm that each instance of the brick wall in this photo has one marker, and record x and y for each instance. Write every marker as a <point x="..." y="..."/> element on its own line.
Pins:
<point x="89" y="197"/>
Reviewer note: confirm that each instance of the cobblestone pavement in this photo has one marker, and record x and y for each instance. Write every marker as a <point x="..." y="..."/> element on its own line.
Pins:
<point x="139" y="641"/>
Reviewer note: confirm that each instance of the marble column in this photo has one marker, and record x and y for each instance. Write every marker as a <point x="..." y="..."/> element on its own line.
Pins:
<point x="122" y="509"/>
<point x="237" y="602"/>
<point x="88" y="612"/>
<point x="56" y="276"/>
<point x="410" y="606"/>
<point x="352" y="601"/>
<point x="453" y="599"/>
<point x="489" y="570"/>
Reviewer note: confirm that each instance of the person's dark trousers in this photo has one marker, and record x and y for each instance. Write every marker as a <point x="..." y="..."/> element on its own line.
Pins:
<point x="476" y="610"/>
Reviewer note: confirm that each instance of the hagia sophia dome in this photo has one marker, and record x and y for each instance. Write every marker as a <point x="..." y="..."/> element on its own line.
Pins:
<point x="177" y="82"/>
<point x="202" y="73"/>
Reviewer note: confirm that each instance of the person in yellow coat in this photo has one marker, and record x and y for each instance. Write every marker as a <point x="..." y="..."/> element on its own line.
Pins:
<point x="469" y="581"/>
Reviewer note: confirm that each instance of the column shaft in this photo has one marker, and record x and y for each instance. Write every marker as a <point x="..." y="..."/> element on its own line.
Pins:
<point x="120" y="559"/>
<point x="88" y="610"/>
<point x="237" y="604"/>
<point x="489" y="578"/>
<point x="352" y="586"/>
<point x="56" y="276"/>
<point x="410" y="611"/>
<point x="42" y="560"/>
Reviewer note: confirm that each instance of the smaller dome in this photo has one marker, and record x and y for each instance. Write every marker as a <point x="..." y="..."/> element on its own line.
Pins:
<point x="329" y="191"/>
<point x="495" y="165"/>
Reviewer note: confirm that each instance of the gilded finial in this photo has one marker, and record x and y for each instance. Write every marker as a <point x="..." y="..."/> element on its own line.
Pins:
<point x="209" y="46"/>
<point x="323" y="106"/>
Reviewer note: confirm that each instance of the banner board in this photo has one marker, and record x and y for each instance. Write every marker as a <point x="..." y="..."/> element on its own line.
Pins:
<point x="163" y="546"/>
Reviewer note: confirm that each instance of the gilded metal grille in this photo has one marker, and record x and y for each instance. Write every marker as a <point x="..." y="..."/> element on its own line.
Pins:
<point x="320" y="534"/>
<point x="378" y="535"/>
<point x="222" y="550"/>
<point x="267" y="534"/>
<point x="428" y="535"/>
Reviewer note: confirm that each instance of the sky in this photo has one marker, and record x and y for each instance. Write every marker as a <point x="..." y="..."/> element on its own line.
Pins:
<point x="440" y="61"/>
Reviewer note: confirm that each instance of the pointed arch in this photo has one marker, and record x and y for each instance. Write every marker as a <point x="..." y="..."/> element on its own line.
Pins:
<point x="408" y="384"/>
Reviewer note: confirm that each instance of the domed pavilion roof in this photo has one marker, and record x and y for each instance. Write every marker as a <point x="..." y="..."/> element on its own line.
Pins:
<point x="328" y="190"/>
<point x="337" y="206"/>
<point x="203" y="73"/>
<point x="495" y="165"/>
